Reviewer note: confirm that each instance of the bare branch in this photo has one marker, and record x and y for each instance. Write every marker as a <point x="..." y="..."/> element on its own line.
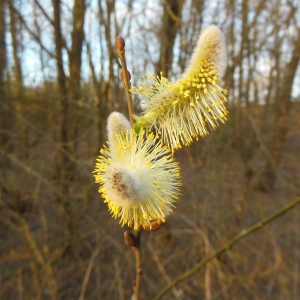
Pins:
<point x="227" y="246"/>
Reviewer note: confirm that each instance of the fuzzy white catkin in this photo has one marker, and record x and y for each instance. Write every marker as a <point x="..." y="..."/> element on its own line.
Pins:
<point x="116" y="124"/>
<point x="124" y="186"/>
<point x="139" y="178"/>
<point x="210" y="47"/>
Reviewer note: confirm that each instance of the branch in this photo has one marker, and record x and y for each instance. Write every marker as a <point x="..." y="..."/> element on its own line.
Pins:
<point x="34" y="173"/>
<point x="36" y="37"/>
<point x="88" y="273"/>
<point x="227" y="246"/>
<point x="137" y="250"/>
<point x="44" y="12"/>
<point x="120" y="46"/>
<point x="134" y="241"/>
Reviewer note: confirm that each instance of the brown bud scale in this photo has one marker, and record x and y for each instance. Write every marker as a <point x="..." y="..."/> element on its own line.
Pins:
<point x="154" y="225"/>
<point x="123" y="77"/>
<point x="120" y="44"/>
<point x="130" y="239"/>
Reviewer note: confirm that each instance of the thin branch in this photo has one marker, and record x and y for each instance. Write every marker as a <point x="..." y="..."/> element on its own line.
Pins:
<point x="44" y="12"/>
<point x="119" y="280"/>
<point x="125" y="76"/>
<point x="268" y="154"/>
<point x="34" y="173"/>
<point x="88" y="273"/>
<point x="227" y="246"/>
<point x="137" y="250"/>
<point x="120" y="45"/>
<point x="162" y="270"/>
<point x="41" y="132"/>
<point x="134" y="241"/>
<point x="35" y="37"/>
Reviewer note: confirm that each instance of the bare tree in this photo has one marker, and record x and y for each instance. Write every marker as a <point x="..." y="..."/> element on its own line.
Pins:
<point x="282" y="105"/>
<point x="108" y="99"/>
<point x="63" y="160"/>
<point x="18" y="76"/>
<point x="169" y="29"/>
<point x="190" y="30"/>
<point x="75" y="54"/>
<point x="3" y="122"/>
<point x="16" y="49"/>
<point x="2" y="48"/>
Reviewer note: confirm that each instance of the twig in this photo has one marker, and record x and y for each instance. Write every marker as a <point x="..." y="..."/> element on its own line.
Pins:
<point x="137" y="250"/>
<point x="36" y="253"/>
<point x="41" y="132"/>
<point x="88" y="273"/>
<point x="227" y="246"/>
<point x="119" y="280"/>
<point x="34" y="173"/>
<point x="162" y="270"/>
<point x="134" y="242"/>
<point x="120" y="46"/>
<point x="276" y="170"/>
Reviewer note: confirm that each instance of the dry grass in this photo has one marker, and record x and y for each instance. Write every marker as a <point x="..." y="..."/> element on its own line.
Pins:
<point x="42" y="258"/>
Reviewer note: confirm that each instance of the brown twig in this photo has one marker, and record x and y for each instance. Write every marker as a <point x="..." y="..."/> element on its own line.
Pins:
<point x="162" y="270"/>
<point x="137" y="250"/>
<point x="130" y="239"/>
<point x="227" y="246"/>
<point x="134" y="241"/>
<point x="120" y="46"/>
<point x="88" y="273"/>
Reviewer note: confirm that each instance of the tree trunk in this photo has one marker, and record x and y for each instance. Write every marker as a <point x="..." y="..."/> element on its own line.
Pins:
<point x="75" y="66"/>
<point x="170" y="26"/>
<point x="2" y="47"/>
<point x="99" y="101"/>
<point x="107" y="102"/>
<point x="3" y="114"/>
<point x="16" y="50"/>
<point x="267" y="177"/>
<point x="63" y="163"/>
<point x="18" y="80"/>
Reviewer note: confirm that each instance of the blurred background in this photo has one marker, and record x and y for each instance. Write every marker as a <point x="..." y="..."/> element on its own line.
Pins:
<point x="59" y="80"/>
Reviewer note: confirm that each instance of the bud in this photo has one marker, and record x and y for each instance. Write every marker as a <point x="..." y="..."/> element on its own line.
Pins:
<point x="210" y="48"/>
<point x="154" y="225"/>
<point x="141" y="122"/>
<point x="116" y="124"/>
<point x="123" y="76"/>
<point x="130" y="239"/>
<point x="120" y="44"/>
